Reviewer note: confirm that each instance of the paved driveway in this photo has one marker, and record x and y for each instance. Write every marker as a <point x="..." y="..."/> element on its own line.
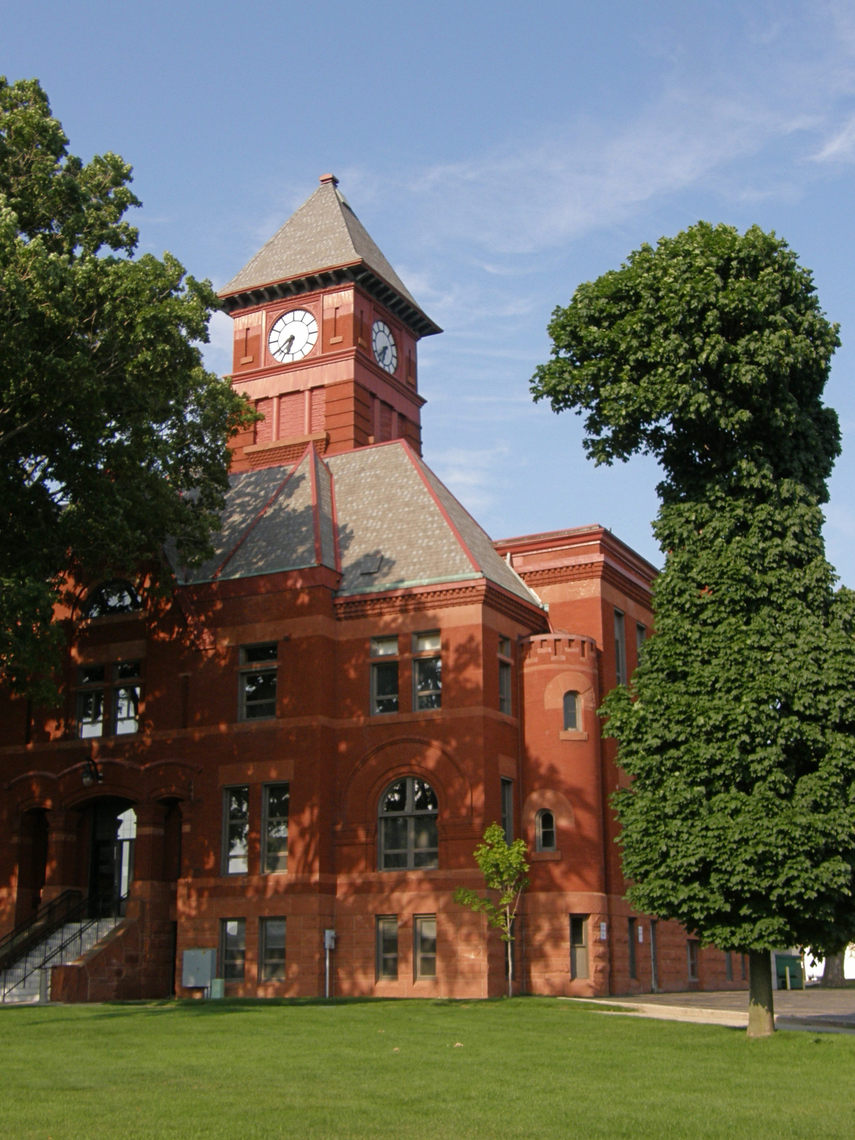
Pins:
<point x="817" y="1009"/>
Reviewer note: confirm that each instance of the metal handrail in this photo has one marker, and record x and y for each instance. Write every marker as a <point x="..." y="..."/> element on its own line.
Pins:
<point x="48" y="918"/>
<point x="56" y="951"/>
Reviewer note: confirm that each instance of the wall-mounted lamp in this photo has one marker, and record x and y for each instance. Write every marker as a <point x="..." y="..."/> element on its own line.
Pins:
<point x="92" y="774"/>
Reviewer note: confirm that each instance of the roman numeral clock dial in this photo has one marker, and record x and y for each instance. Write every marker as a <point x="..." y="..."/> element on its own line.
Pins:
<point x="292" y="336"/>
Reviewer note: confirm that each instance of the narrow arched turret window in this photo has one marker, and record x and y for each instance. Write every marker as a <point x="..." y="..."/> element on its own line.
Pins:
<point x="571" y="710"/>
<point x="545" y="831"/>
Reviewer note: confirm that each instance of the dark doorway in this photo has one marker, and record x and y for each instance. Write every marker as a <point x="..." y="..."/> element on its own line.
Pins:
<point x="32" y="862"/>
<point x="111" y="869"/>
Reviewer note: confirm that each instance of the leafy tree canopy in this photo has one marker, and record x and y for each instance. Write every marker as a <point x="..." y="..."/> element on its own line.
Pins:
<point x="738" y="731"/>
<point x="108" y="420"/>
<point x="711" y="352"/>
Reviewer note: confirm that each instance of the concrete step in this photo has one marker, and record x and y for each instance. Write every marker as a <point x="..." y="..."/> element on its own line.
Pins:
<point x="50" y="953"/>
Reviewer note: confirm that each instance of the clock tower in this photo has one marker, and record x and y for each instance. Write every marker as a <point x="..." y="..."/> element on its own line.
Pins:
<point x="325" y="339"/>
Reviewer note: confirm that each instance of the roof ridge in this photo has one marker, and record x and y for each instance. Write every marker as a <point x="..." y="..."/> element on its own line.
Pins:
<point x="420" y="466"/>
<point x="256" y="519"/>
<point x="316" y="464"/>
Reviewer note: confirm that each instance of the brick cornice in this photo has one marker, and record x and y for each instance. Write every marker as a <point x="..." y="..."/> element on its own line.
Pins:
<point x="411" y="599"/>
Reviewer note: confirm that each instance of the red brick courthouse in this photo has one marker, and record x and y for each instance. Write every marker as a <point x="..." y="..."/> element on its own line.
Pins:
<point x="311" y="735"/>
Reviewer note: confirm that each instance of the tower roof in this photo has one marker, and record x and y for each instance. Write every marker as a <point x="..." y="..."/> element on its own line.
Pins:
<point x="322" y="244"/>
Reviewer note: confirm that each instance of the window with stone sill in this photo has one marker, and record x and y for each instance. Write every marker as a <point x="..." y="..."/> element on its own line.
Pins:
<point x="505" y="676"/>
<point x="424" y="946"/>
<point x="235" y="830"/>
<point x="544" y="830"/>
<point x="108" y="699"/>
<point x="408" y="826"/>
<point x="571" y="711"/>
<point x="427" y="671"/>
<point x="384" y="675"/>
<point x="257" y="681"/>
<point x="387" y="947"/>
<point x="271" y="949"/>
<point x="274" y="827"/>
<point x="232" y="948"/>
<point x="620" y="648"/>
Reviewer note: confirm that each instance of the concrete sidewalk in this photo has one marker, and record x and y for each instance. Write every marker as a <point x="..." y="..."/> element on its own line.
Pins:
<point x="816" y="1009"/>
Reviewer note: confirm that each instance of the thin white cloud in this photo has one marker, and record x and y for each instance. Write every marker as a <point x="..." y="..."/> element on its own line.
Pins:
<point x="475" y="477"/>
<point x="841" y="146"/>
<point x="523" y="200"/>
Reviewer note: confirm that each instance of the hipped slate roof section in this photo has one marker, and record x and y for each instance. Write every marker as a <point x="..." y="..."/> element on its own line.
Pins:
<point x="276" y="519"/>
<point x="377" y="514"/>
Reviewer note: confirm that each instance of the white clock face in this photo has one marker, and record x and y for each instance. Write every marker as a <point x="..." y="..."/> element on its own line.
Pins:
<point x="385" y="349"/>
<point x="293" y="336"/>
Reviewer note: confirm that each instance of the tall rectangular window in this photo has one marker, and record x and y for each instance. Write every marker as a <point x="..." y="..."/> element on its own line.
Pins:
<point x="387" y="946"/>
<point x="274" y="828"/>
<point x="384" y="675"/>
<point x="631" y="936"/>
<point x="507" y="793"/>
<point x="578" y="945"/>
<point x="235" y="829"/>
<point x="108" y="699"/>
<point x="257" y="689"/>
<point x="620" y="648"/>
<point x="424" y="946"/>
<point x="640" y="638"/>
<point x="692" y="951"/>
<point x="505" y="676"/>
<point x="427" y="671"/>
<point x="271" y="949"/>
<point x="232" y="948"/>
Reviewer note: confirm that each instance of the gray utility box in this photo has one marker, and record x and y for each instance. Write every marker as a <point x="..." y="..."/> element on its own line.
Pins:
<point x="198" y="968"/>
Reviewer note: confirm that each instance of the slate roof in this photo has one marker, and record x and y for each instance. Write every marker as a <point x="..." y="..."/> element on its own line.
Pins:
<point x="378" y="514"/>
<point x="323" y="236"/>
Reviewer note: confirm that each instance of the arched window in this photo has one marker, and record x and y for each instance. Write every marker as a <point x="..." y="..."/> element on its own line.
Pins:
<point x="545" y="831"/>
<point x="114" y="597"/>
<point x="408" y="813"/>
<point x="571" y="710"/>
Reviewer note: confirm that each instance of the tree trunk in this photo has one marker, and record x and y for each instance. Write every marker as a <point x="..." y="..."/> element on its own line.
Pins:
<point x="761" y="1010"/>
<point x="510" y="952"/>
<point x="832" y="971"/>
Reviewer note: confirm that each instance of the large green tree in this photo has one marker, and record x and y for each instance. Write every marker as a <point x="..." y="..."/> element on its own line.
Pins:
<point x="711" y="352"/>
<point x="113" y="436"/>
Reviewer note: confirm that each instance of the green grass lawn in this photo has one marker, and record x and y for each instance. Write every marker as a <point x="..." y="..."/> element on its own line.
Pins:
<point x="533" y="1067"/>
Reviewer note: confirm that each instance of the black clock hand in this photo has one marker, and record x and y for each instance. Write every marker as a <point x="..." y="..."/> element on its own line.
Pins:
<point x="381" y="355"/>
<point x="288" y="343"/>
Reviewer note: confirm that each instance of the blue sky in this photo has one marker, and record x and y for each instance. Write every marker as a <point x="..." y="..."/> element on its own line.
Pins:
<point x="499" y="153"/>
